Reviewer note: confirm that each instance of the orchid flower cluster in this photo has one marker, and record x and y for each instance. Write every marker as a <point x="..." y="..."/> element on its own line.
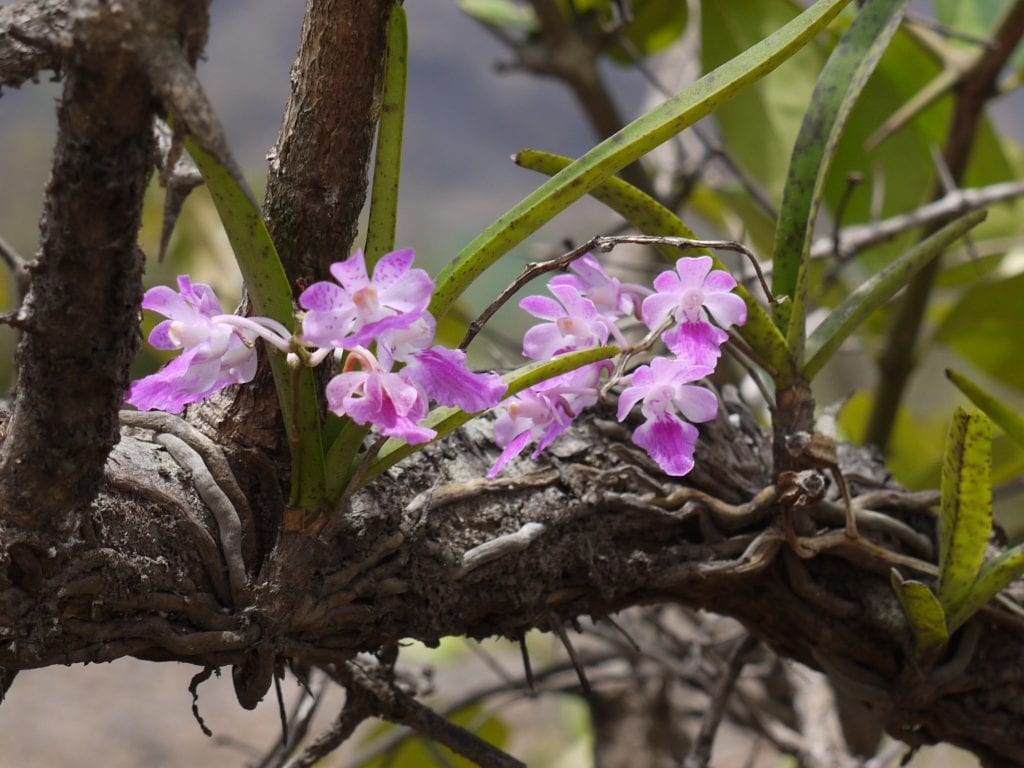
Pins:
<point x="379" y="328"/>
<point x="590" y="307"/>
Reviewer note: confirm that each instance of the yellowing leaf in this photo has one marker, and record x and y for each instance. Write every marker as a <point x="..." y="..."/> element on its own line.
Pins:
<point x="925" y="614"/>
<point x="966" y="522"/>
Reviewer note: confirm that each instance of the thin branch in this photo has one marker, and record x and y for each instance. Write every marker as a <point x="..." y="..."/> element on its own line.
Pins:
<point x="385" y="699"/>
<point x="700" y="752"/>
<point x="604" y="244"/>
<point x="571" y="57"/>
<point x="853" y="240"/>
<point x="350" y="717"/>
<point x="17" y="266"/>
<point x="897" y="361"/>
<point x="919" y="20"/>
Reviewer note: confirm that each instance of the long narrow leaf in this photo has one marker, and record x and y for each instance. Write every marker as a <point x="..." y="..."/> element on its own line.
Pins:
<point x="380" y="228"/>
<point x="447" y="420"/>
<point x="994" y="408"/>
<point x="966" y="522"/>
<point x="652" y="218"/>
<point x="994" y="577"/>
<point x="845" y="74"/>
<point x="271" y="296"/>
<point x="625" y="147"/>
<point x="869" y="296"/>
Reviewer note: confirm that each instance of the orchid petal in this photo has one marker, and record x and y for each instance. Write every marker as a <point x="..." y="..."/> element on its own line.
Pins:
<point x="392" y="267"/>
<point x="443" y="375"/>
<point x="696" y="343"/>
<point x="513" y="449"/>
<point x="692" y="270"/>
<point x="324" y="296"/>
<point x="727" y="308"/>
<point x="670" y="442"/>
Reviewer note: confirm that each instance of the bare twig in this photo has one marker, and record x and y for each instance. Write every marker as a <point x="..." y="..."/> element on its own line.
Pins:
<point x="605" y="244"/>
<point x="897" y="361"/>
<point x="857" y="238"/>
<point x="299" y="720"/>
<point x="382" y="697"/>
<point x="920" y="20"/>
<point x="350" y="717"/>
<point x="531" y="271"/>
<point x="571" y="57"/>
<point x="700" y="752"/>
<point x="17" y="265"/>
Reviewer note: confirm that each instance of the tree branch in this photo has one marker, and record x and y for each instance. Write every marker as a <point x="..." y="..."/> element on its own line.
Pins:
<point x="317" y="182"/>
<point x="615" y="533"/>
<point x="898" y="359"/>
<point x="33" y="34"/>
<point x="81" y="329"/>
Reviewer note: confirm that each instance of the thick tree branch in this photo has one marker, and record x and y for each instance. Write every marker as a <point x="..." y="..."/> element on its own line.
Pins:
<point x="80" y="332"/>
<point x="615" y="533"/>
<point x="318" y="170"/>
<point x="33" y="34"/>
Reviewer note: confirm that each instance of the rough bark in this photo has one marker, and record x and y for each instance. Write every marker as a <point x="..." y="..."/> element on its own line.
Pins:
<point x="31" y="36"/>
<point x="317" y="182"/>
<point x="614" y="533"/>
<point x="80" y="314"/>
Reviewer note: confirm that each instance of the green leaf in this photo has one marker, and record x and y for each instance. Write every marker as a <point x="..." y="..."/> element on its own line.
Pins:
<point x="925" y="614"/>
<point x="625" y="147"/>
<point x="652" y="218"/>
<point x="966" y="522"/>
<point x="655" y="26"/>
<point x="994" y="577"/>
<point x="501" y="13"/>
<point x="975" y="17"/>
<point x="776" y="103"/>
<point x="877" y="290"/>
<point x="941" y="85"/>
<point x="986" y="327"/>
<point x="447" y="420"/>
<point x="380" y="228"/>
<point x="271" y="296"/>
<point x="1011" y="422"/>
<point x="839" y="86"/>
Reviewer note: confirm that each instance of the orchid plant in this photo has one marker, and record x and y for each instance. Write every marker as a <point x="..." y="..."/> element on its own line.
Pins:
<point x="380" y="332"/>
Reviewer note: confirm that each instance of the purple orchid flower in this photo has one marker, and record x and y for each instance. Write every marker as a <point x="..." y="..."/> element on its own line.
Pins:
<point x="219" y="349"/>
<point x="357" y="309"/>
<point x="376" y="396"/>
<point x="440" y="372"/>
<point x="611" y="297"/>
<point x="444" y="377"/>
<point x="688" y="294"/>
<point x="665" y="387"/>
<point x="575" y="324"/>
<point x="544" y="411"/>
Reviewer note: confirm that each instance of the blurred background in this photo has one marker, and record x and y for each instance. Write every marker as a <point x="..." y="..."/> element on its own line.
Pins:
<point x="464" y="120"/>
